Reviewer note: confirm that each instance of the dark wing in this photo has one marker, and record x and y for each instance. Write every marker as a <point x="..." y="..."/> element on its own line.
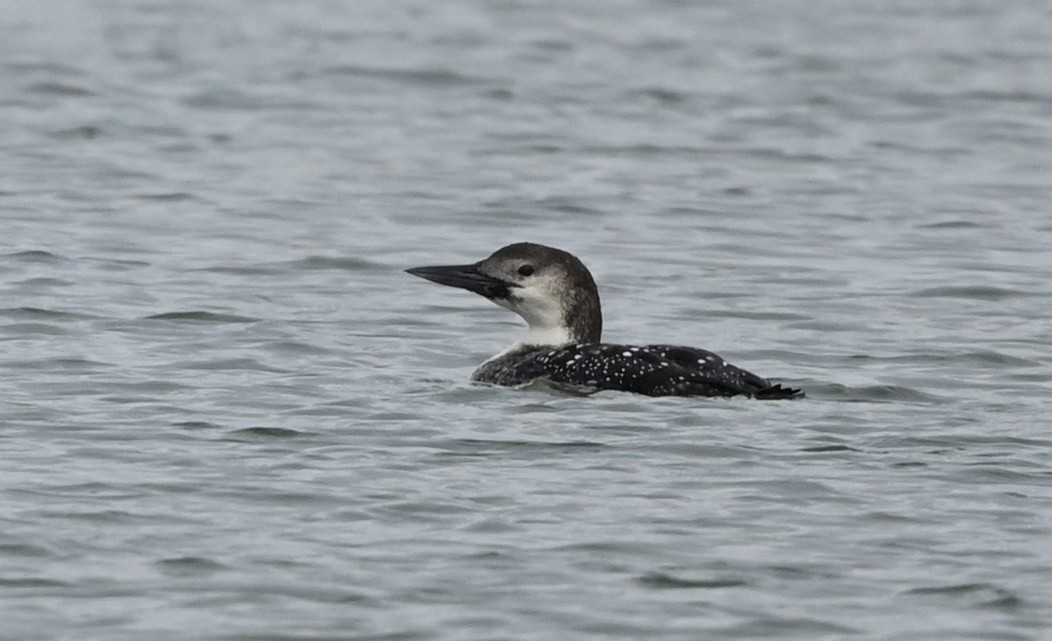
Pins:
<point x="710" y="369"/>
<point x="655" y="370"/>
<point x="593" y="366"/>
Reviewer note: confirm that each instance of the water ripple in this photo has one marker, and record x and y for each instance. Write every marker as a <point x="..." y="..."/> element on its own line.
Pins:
<point x="201" y="317"/>
<point x="227" y="413"/>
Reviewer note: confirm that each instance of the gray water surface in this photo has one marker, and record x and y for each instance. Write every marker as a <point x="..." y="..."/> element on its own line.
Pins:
<point x="226" y="412"/>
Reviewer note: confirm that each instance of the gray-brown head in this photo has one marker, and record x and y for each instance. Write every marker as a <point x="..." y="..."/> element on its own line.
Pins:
<point x="551" y="289"/>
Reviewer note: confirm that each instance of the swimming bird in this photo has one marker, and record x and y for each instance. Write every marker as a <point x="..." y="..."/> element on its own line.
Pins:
<point x="555" y="294"/>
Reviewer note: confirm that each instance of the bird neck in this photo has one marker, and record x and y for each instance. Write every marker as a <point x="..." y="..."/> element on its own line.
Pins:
<point x="583" y="317"/>
<point x="582" y="328"/>
<point x="544" y="336"/>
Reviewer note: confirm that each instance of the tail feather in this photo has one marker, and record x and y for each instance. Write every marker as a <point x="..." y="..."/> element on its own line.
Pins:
<point x="777" y="392"/>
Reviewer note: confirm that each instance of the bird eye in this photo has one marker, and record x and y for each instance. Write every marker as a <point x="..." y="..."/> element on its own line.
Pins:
<point x="525" y="270"/>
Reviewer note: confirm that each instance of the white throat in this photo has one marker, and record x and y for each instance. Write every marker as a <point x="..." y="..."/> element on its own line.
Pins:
<point x="537" y="336"/>
<point x="544" y="315"/>
<point x="554" y="336"/>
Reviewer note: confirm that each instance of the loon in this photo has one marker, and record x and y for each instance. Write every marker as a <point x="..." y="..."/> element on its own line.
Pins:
<point x="555" y="294"/>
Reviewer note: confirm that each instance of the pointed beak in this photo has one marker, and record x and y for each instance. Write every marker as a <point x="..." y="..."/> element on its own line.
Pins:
<point x="464" y="276"/>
